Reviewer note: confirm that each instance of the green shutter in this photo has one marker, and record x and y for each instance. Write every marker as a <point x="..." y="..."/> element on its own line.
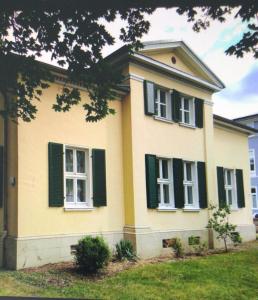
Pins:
<point x="202" y="188"/>
<point x="176" y="106"/>
<point x="99" y="177"/>
<point x="151" y="180"/>
<point x="178" y="176"/>
<point x="1" y="175"/>
<point x="198" y="112"/>
<point x="149" y="101"/>
<point x="240" y="188"/>
<point x="221" y="187"/>
<point x="56" y="175"/>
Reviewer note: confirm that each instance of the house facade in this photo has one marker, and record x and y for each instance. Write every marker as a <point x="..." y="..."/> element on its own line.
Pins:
<point x="252" y="121"/>
<point x="146" y="174"/>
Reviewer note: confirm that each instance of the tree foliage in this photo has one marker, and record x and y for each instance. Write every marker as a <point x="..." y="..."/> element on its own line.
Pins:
<point x="74" y="34"/>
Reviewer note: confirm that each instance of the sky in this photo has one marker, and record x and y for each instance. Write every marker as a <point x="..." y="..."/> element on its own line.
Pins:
<point x="240" y="75"/>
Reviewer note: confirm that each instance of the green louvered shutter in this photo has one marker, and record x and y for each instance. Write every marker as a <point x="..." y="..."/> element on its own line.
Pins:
<point x="202" y="188"/>
<point x="198" y="112"/>
<point x="149" y="101"/>
<point x="240" y="188"/>
<point x="1" y="175"/>
<point x="176" y="106"/>
<point x="221" y="187"/>
<point x="151" y="180"/>
<point x="56" y="175"/>
<point x="99" y="177"/>
<point x="178" y="176"/>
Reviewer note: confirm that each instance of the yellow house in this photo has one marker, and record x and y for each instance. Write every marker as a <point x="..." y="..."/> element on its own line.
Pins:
<point x="146" y="174"/>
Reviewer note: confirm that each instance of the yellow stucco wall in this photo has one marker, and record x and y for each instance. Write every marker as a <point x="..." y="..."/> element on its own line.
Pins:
<point x="35" y="218"/>
<point x="231" y="151"/>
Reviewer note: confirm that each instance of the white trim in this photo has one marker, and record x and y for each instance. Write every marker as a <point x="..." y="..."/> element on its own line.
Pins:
<point x="191" y="209"/>
<point x="161" y="208"/>
<point x="163" y="119"/>
<point x="186" y="125"/>
<point x="135" y="77"/>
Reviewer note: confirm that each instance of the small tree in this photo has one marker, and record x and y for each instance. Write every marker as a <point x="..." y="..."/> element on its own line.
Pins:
<point x="220" y="224"/>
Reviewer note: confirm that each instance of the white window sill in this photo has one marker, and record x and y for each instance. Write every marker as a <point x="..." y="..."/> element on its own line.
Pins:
<point x="187" y="125"/>
<point x="234" y="209"/>
<point x="166" y="209"/>
<point x="79" y="208"/>
<point x="163" y="119"/>
<point x="191" y="209"/>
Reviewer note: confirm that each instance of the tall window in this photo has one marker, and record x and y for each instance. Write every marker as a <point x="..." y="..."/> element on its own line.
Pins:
<point x="254" y="197"/>
<point x="162" y="104"/>
<point x="190" y="185"/>
<point x="76" y="177"/>
<point x="230" y="187"/>
<point x="252" y="161"/>
<point x="187" y="110"/>
<point x="165" y="183"/>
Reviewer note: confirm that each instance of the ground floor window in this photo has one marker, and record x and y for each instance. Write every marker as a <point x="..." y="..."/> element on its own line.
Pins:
<point x="190" y="185"/>
<point x="254" y="197"/>
<point x="230" y="187"/>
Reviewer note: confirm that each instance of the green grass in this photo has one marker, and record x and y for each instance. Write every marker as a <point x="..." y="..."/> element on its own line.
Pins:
<point x="222" y="276"/>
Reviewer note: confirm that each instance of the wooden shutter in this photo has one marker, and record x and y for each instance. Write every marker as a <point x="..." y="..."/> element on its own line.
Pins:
<point x="1" y="175"/>
<point x="149" y="101"/>
<point x="176" y="106"/>
<point x="198" y="112"/>
<point x="151" y="180"/>
<point x="178" y="177"/>
<point x="221" y="187"/>
<point x="240" y="188"/>
<point x="202" y="188"/>
<point x="99" y="177"/>
<point x="56" y="175"/>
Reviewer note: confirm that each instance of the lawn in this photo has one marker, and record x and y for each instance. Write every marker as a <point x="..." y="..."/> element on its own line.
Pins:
<point x="221" y="276"/>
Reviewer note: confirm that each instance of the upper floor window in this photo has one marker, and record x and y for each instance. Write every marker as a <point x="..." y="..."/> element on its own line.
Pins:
<point x="76" y="178"/>
<point x="230" y="188"/>
<point x="190" y="185"/>
<point x="254" y="197"/>
<point x="187" y="113"/>
<point x="165" y="183"/>
<point x="252" y="161"/>
<point x="162" y="104"/>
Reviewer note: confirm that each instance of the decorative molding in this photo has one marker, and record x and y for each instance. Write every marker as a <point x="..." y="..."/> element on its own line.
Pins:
<point x="134" y="77"/>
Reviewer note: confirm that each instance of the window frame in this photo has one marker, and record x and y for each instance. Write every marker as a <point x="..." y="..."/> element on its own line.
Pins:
<point x="256" y="200"/>
<point x="169" y="181"/>
<point x="191" y="110"/>
<point x="231" y="187"/>
<point x="193" y="183"/>
<point x="75" y="176"/>
<point x="252" y="156"/>
<point x="158" y="104"/>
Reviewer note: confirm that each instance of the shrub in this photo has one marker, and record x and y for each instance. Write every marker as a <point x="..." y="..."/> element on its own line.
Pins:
<point x="124" y="250"/>
<point x="201" y="249"/>
<point x="92" y="254"/>
<point x="178" y="248"/>
<point x="220" y="224"/>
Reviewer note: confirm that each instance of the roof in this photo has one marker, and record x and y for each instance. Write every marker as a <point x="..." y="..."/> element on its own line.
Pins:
<point x="233" y="125"/>
<point x="246" y="117"/>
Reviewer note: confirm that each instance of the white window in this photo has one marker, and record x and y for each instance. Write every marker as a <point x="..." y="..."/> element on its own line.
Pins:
<point x="165" y="183"/>
<point x="254" y="197"/>
<point x="76" y="178"/>
<point x="187" y="110"/>
<point x="190" y="185"/>
<point x="252" y="161"/>
<point x="162" y="104"/>
<point x="230" y="188"/>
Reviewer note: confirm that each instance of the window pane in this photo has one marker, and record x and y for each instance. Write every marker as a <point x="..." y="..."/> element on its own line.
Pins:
<point x="162" y="97"/>
<point x="69" y="190"/>
<point x="156" y="94"/>
<point x="229" y="177"/>
<point x="159" y="193"/>
<point x="81" y="184"/>
<point x="80" y="161"/>
<point x="165" y="168"/>
<point x="69" y="160"/>
<point x="156" y="109"/>
<point x="163" y="111"/>
<point x="187" y="117"/>
<point x="166" y="193"/>
<point x="252" y="164"/>
<point x="188" y="167"/>
<point x="253" y="190"/>
<point x="254" y="201"/>
<point x="230" y="197"/>
<point x="190" y="194"/>
<point x="186" y="104"/>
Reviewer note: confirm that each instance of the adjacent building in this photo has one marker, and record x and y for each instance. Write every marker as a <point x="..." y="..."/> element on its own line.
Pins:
<point x="147" y="174"/>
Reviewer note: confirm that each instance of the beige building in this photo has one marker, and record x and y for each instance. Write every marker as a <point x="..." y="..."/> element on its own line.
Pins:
<point x="147" y="174"/>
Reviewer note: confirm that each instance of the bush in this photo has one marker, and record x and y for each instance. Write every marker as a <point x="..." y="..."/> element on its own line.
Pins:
<point x="124" y="250"/>
<point x="92" y="254"/>
<point x="178" y="248"/>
